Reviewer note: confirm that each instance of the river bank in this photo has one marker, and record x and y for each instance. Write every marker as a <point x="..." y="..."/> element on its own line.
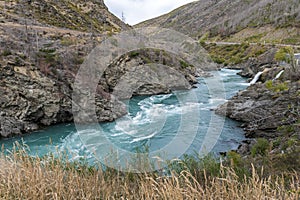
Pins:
<point x="269" y="108"/>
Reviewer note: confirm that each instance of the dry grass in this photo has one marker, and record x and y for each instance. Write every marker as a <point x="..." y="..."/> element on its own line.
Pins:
<point x="24" y="177"/>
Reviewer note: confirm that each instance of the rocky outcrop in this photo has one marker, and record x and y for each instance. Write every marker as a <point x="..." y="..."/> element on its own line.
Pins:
<point x="254" y="65"/>
<point x="30" y="100"/>
<point x="269" y="109"/>
<point x="149" y="71"/>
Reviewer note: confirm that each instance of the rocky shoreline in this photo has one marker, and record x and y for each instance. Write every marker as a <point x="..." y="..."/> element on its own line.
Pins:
<point x="270" y="108"/>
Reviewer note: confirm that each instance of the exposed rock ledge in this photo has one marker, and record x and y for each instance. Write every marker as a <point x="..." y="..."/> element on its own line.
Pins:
<point x="267" y="107"/>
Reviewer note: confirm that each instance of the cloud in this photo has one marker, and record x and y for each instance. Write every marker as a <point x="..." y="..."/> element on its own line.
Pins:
<point x="136" y="11"/>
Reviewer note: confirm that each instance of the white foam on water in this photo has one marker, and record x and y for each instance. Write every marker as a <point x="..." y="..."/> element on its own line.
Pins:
<point x="151" y="118"/>
<point x="143" y="138"/>
<point x="217" y="101"/>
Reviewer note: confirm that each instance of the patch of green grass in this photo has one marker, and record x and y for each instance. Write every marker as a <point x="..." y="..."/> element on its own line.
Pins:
<point x="184" y="64"/>
<point x="255" y="38"/>
<point x="234" y="54"/>
<point x="133" y="54"/>
<point x="67" y="41"/>
<point x="277" y="87"/>
<point x="292" y="40"/>
<point x="286" y="129"/>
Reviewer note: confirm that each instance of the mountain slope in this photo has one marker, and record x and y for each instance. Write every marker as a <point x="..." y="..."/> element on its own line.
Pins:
<point x="43" y="43"/>
<point x="256" y="20"/>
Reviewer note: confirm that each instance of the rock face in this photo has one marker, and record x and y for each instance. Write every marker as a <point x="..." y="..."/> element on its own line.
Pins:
<point x="39" y="57"/>
<point x="254" y="65"/>
<point x="42" y="53"/>
<point x="269" y="109"/>
<point x="30" y="100"/>
<point x="147" y="72"/>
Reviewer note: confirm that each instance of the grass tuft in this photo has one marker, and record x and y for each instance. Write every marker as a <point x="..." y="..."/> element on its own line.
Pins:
<point x="49" y="177"/>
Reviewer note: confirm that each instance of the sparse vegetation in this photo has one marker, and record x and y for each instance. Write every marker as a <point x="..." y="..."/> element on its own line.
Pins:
<point x="277" y="87"/>
<point x="47" y="55"/>
<point x="6" y="52"/>
<point x="67" y="41"/>
<point x="184" y="64"/>
<point x="134" y="54"/>
<point x="234" y="54"/>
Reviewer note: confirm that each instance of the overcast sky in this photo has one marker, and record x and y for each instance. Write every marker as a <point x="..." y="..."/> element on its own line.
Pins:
<point x="136" y="11"/>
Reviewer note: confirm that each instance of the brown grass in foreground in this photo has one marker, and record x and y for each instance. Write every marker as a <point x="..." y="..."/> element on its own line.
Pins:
<point x="24" y="177"/>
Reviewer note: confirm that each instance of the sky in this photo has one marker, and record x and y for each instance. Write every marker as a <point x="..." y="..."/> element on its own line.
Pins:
<point x="136" y="11"/>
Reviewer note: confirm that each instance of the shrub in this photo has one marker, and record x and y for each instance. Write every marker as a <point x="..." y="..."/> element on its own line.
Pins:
<point x="184" y="64"/>
<point x="6" y="52"/>
<point x="67" y="41"/>
<point x="235" y="158"/>
<point x="279" y="87"/>
<point x="269" y="84"/>
<point x="260" y="148"/>
<point x="134" y="54"/>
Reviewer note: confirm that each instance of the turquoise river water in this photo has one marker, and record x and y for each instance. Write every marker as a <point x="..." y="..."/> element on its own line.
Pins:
<point x="142" y="124"/>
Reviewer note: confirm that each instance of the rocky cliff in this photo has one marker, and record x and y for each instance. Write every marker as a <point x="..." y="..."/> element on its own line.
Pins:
<point x="270" y="108"/>
<point x="43" y="45"/>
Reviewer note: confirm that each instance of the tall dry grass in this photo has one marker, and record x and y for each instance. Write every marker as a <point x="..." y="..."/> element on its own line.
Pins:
<point x="24" y="177"/>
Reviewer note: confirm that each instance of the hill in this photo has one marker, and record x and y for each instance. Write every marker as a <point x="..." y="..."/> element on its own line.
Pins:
<point x="272" y="21"/>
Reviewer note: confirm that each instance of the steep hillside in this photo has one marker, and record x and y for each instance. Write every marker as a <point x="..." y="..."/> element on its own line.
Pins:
<point x="91" y="16"/>
<point x="275" y="21"/>
<point x="42" y="45"/>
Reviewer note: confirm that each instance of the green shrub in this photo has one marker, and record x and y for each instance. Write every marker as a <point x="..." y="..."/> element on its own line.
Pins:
<point x="260" y="148"/>
<point x="184" y="64"/>
<point x="279" y="87"/>
<point x="235" y="158"/>
<point x="134" y="54"/>
<point x="269" y="84"/>
<point x="6" y="52"/>
<point x="48" y="55"/>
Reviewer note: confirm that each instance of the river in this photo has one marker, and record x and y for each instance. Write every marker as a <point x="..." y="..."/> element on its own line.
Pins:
<point x="142" y="126"/>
